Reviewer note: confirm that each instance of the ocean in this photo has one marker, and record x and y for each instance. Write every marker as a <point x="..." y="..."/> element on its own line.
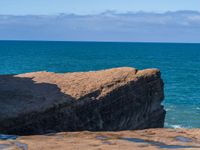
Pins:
<point x="179" y="65"/>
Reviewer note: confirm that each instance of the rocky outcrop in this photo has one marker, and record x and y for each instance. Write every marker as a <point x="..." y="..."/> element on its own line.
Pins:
<point x="151" y="139"/>
<point x="107" y="100"/>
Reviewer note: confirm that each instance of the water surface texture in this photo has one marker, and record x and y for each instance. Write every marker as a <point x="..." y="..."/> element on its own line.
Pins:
<point x="179" y="64"/>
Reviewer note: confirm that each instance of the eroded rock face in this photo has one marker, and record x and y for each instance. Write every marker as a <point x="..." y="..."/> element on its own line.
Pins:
<point x="107" y="100"/>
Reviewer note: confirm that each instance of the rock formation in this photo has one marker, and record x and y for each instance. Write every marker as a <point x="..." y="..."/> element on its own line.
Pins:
<point x="151" y="139"/>
<point x="107" y="100"/>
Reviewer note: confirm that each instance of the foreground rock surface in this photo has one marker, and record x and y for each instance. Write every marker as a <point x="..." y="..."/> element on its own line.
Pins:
<point x="152" y="139"/>
<point x="107" y="100"/>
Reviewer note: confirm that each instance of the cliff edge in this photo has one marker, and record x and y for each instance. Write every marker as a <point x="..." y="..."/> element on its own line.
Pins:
<point x="107" y="100"/>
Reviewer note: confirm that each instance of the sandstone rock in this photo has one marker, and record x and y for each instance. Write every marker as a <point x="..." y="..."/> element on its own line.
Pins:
<point x="107" y="100"/>
<point x="151" y="139"/>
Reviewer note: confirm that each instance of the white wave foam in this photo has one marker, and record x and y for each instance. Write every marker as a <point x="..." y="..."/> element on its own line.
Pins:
<point x="177" y="126"/>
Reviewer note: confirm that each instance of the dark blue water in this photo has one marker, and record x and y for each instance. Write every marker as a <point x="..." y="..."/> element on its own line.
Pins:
<point x="179" y="64"/>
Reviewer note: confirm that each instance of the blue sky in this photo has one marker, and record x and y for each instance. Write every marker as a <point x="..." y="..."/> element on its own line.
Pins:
<point x="18" y="7"/>
<point x="105" y="20"/>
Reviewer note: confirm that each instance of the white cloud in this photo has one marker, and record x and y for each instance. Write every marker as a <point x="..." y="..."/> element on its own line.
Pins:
<point x="180" y="26"/>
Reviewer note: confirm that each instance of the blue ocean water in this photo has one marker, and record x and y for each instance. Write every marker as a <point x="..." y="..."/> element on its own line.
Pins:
<point x="179" y="64"/>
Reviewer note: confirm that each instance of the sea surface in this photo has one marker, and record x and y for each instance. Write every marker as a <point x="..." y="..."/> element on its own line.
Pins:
<point x="179" y="65"/>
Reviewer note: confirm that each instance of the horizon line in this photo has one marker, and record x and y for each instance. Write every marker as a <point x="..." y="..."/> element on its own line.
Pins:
<point x="88" y="41"/>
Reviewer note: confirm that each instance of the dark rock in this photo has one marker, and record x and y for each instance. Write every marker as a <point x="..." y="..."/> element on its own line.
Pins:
<point x="108" y="100"/>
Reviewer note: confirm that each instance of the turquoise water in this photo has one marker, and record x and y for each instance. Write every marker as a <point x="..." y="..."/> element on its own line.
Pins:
<point x="179" y="64"/>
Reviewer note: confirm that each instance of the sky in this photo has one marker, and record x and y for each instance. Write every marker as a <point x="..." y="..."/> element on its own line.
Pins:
<point x="105" y="20"/>
<point x="22" y="7"/>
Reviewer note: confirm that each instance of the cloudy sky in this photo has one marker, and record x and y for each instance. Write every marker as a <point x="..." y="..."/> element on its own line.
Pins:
<point x="92" y="20"/>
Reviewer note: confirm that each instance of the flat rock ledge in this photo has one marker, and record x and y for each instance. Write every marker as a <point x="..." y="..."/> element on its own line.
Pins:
<point x="151" y="139"/>
<point x="107" y="100"/>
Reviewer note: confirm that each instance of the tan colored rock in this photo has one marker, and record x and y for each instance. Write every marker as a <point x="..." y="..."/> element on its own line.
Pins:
<point x="113" y="99"/>
<point x="152" y="139"/>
